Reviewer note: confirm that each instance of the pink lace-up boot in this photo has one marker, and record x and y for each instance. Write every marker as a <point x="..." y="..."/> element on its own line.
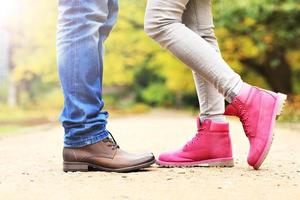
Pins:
<point x="211" y="146"/>
<point x="257" y="110"/>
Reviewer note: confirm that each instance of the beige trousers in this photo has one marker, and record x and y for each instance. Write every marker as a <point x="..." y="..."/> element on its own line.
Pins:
<point x="185" y="27"/>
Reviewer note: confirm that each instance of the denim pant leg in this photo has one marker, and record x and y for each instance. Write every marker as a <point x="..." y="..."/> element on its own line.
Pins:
<point x="83" y="25"/>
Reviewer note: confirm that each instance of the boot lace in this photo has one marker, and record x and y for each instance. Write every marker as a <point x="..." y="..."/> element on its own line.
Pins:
<point x="196" y="137"/>
<point x="111" y="142"/>
<point x="243" y="117"/>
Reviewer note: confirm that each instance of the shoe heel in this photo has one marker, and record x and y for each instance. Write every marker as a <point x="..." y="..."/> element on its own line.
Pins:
<point x="75" y="166"/>
<point x="281" y="103"/>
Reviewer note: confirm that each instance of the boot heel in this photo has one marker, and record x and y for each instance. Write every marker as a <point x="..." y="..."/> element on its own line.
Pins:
<point x="75" y="166"/>
<point x="225" y="163"/>
<point x="281" y="103"/>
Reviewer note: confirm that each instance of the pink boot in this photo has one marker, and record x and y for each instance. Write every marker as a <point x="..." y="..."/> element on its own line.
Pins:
<point x="210" y="147"/>
<point x="257" y="110"/>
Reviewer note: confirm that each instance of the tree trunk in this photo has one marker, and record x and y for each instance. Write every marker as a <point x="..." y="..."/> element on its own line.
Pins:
<point x="278" y="77"/>
<point x="178" y="100"/>
<point x="12" y="94"/>
<point x="12" y="89"/>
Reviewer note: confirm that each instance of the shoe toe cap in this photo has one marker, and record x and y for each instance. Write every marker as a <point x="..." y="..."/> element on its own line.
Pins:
<point x="145" y="158"/>
<point x="256" y="149"/>
<point x="171" y="156"/>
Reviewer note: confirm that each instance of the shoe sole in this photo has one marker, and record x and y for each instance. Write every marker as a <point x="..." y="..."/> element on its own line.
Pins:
<point x="280" y="103"/>
<point x="85" y="167"/>
<point x="221" y="162"/>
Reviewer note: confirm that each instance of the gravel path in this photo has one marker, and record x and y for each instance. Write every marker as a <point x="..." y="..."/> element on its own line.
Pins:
<point x="31" y="165"/>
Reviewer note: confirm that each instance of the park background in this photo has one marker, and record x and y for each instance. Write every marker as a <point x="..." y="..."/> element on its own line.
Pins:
<point x="258" y="38"/>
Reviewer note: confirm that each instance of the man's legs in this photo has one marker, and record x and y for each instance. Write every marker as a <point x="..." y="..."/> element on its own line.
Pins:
<point x="83" y="25"/>
<point x="198" y="17"/>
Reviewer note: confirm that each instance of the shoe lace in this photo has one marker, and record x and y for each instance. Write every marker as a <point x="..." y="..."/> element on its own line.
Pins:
<point x="196" y="137"/>
<point x="243" y="117"/>
<point x="111" y="142"/>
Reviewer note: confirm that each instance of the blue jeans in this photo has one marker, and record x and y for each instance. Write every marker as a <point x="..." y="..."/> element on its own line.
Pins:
<point x="83" y="26"/>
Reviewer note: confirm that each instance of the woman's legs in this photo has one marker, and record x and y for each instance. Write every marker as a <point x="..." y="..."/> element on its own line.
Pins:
<point x="163" y="22"/>
<point x="256" y="108"/>
<point x="198" y="48"/>
<point x="198" y="17"/>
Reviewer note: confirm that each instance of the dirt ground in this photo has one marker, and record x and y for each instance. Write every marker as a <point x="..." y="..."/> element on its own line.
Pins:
<point x="31" y="165"/>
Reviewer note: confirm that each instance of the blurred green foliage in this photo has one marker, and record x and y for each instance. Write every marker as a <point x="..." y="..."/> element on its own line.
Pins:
<point x="258" y="38"/>
<point x="261" y="36"/>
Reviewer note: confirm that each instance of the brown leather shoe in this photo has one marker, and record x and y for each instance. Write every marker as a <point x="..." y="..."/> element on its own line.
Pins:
<point x="105" y="155"/>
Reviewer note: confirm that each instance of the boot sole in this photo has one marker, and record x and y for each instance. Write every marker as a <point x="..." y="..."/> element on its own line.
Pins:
<point x="280" y="103"/>
<point x="85" y="167"/>
<point x="221" y="162"/>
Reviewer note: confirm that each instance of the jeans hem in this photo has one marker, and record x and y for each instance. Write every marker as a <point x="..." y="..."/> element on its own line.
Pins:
<point x="87" y="141"/>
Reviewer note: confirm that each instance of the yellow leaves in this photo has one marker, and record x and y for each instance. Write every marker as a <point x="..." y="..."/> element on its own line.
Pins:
<point x="235" y="64"/>
<point x="124" y="52"/>
<point x="246" y="47"/>
<point x="293" y="58"/>
<point x="234" y="48"/>
<point x="239" y="47"/>
<point x="180" y="80"/>
<point x="229" y="44"/>
<point x="115" y="72"/>
<point x="178" y="76"/>
<point x="128" y="47"/>
<point x="221" y="32"/>
<point x="33" y="42"/>
<point x="21" y="74"/>
<point x="38" y="62"/>
<point x="268" y="38"/>
<point x="248" y="21"/>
